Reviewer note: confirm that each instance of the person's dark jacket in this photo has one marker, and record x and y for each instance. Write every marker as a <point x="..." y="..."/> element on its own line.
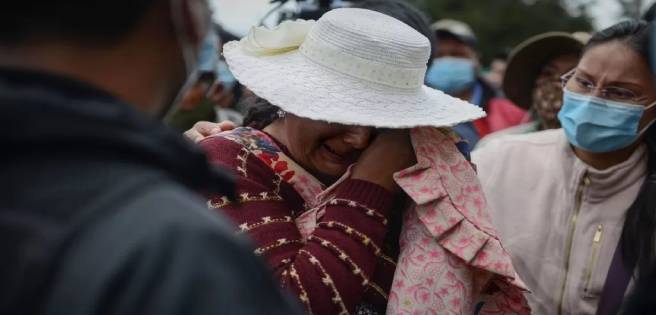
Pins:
<point x="641" y="300"/>
<point x="99" y="212"/>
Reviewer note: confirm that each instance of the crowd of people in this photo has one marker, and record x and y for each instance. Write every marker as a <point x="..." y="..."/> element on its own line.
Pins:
<point x="359" y="163"/>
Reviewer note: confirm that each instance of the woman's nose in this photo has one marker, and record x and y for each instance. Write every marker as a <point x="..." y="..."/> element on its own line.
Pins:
<point x="358" y="137"/>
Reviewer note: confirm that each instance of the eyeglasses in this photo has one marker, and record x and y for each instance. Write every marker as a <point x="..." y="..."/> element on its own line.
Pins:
<point x="584" y="86"/>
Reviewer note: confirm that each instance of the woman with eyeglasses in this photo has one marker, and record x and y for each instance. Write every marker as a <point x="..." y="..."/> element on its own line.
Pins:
<point x="575" y="206"/>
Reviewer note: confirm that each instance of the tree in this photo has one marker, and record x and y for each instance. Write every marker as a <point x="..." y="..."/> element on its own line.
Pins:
<point x="631" y="8"/>
<point x="502" y="24"/>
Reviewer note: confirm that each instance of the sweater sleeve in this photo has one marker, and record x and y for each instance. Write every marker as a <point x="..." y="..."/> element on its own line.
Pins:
<point x="330" y="271"/>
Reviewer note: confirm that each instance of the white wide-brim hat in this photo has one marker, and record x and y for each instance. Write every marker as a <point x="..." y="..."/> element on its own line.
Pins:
<point x="352" y="66"/>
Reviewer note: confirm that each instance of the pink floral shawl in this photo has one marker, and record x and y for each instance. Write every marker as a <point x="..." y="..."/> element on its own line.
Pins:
<point x="451" y="259"/>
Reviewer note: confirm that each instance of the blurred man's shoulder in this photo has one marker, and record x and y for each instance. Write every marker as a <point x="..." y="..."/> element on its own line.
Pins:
<point x="171" y="204"/>
<point x="160" y="240"/>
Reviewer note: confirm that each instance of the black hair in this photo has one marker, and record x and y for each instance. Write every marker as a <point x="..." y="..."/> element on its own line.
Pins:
<point x="641" y="300"/>
<point x="93" y="21"/>
<point x="447" y="35"/>
<point x="632" y="33"/>
<point x="260" y="112"/>
<point x="638" y="243"/>
<point x="404" y="12"/>
<point x="650" y="14"/>
<point x="639" y="231"/>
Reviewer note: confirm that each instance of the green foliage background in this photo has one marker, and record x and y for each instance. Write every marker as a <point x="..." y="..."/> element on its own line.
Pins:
<point x="502" y="24"/>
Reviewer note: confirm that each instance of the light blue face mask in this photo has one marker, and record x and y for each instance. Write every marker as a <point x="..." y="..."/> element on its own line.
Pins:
<point x="598" y="125"/>
<point x="208" y="56"/>
<point x="451" y="75"/>
<point x="225" y="75"/>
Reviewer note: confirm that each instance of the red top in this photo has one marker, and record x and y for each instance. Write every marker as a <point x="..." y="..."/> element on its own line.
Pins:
<point x="501" y="114"/>
<point x="343" y="262"/>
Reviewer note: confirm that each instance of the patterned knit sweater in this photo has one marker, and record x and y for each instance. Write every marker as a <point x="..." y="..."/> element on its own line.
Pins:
<point x="342" y="265"/>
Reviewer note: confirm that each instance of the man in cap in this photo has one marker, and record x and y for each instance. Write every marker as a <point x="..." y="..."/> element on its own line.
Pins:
<point x="98" y="213"/>
<point x="455" y="71"/>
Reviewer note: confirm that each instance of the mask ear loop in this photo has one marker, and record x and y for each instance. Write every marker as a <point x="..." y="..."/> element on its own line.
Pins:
<point x="189" y="54"/>
<point x="645" y="128"/>
<point x="650" y="106"/>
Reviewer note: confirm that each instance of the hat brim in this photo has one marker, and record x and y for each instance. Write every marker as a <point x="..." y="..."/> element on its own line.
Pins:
<point x="306" y="89"/>
<point x="527" y="60"/>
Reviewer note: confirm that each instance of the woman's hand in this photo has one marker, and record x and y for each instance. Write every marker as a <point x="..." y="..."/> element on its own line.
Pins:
<point x="390" y="152"/>
<point x="204" y="129"/>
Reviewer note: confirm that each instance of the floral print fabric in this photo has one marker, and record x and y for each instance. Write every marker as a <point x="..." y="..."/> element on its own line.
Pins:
<point x="451" y="260"/>
<point x="268" y="151"/>
<point x="314" y="193"/>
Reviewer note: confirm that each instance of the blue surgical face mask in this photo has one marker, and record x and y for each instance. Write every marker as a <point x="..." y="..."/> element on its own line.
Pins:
<point x="225" y="75"/>
<point x="208" y="56"/>
<point x="451" y="75"/>
<point x="599" y="125"/>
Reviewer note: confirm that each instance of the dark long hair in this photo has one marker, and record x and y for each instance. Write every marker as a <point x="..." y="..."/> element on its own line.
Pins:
<point x="260" y="112"/>
<point x="639" y="231"/>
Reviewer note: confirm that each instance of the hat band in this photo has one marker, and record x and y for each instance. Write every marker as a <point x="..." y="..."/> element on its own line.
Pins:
<point x="333" y="58"/>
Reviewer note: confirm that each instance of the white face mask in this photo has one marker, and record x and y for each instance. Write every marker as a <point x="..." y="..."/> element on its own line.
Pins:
<point x="189" y="49"/>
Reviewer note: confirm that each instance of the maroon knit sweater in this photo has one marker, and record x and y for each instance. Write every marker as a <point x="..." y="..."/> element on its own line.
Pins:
<point x="343" y="263"/>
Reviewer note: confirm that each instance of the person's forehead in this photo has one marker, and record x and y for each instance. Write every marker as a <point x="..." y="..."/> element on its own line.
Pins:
<point x="614" y="61"/>
<point x="450" y="40"/>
